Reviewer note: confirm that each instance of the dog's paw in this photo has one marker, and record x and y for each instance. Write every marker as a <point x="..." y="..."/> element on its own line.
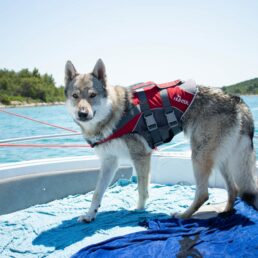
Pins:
<point x="86" y="218"/>
<point x="140" y="207"/>
<point x="136" y="209"/>
<point x="179" y="215"/>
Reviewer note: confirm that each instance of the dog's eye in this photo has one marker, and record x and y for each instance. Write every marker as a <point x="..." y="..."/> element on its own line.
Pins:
<point x="75" y="96"/>
<point x="92" y="95"/>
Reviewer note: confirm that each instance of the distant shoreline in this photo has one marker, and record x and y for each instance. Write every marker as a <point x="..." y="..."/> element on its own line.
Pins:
<point x="15" y="104"/>
<point x="39" y="104"/>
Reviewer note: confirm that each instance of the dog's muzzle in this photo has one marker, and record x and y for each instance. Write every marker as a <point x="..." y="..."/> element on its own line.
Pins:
<point x="83" y="116"/>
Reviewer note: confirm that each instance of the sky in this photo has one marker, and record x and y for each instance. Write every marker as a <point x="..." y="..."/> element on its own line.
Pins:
<point x="213" y="42"/>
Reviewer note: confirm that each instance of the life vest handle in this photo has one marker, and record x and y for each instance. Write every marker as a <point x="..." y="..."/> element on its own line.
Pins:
<point x="166" y="85"/>
<point x="169" y="84"/>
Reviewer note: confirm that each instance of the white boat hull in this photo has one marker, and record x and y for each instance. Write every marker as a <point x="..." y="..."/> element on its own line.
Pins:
<point x="28" y="183"/>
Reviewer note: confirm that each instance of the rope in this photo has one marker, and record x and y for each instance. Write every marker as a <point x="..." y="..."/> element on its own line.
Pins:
<point x="37" y="121"/>
<point x="44" y="145"/>
<point x="4" y="144"/>
<point x="46" y="136"/>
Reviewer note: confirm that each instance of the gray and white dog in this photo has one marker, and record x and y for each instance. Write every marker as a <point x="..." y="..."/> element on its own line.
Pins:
<point x="220" y="128"/>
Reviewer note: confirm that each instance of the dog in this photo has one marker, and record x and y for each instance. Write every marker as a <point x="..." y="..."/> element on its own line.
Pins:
<point x="220" y="128"/>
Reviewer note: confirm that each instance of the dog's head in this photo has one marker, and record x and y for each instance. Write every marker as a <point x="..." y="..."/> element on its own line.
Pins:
<point x="86" y="94"/>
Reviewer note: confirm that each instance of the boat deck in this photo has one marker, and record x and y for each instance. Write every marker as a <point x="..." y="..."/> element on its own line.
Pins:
<point x="52" y="229"/>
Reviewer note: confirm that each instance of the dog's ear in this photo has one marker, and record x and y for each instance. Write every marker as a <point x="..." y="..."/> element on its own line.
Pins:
<point x="99" y="71"/>
<point x="70" y="71"/>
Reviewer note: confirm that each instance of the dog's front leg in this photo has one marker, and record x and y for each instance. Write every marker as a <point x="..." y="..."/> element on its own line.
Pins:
<point x="142" y="167"/>
<point x="108" y="168"/>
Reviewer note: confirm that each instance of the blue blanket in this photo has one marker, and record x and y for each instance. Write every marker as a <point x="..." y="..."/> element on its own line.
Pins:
<point x="227" y="235"/>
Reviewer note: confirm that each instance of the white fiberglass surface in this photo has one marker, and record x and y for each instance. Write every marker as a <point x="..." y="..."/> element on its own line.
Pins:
<point x="52" y="229"/>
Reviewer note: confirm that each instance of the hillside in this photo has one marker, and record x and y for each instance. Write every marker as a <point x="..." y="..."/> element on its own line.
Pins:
<point x="249" y="87"/>
<point x="28" y="87"/>
<point x="31" y="87"/>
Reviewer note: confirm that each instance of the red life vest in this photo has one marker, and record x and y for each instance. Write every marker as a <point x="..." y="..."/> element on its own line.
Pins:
<point x="156" y="111"/>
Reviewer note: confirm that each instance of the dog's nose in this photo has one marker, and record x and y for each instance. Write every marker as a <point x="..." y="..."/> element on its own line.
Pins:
<point x="83" y="115"/>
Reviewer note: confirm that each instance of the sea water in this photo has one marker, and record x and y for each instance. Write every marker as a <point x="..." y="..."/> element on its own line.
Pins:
<point x="14" y="127"/>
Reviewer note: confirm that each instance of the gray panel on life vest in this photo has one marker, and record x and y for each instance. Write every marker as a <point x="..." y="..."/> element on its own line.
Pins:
<point x="189" y="86"/>
<point x="130" y="114"/>
<point x="161" y="120"/>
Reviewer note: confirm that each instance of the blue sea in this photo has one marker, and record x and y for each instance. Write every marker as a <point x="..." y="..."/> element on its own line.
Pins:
<point x="14" y="127"/>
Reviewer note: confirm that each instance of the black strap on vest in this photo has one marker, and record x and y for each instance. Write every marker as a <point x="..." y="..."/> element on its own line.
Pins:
<point x="173" y="123"/>
<point x="149" y="119"/>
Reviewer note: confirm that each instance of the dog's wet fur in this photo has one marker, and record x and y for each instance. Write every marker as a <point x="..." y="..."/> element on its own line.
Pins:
<point x="220" y="128"/>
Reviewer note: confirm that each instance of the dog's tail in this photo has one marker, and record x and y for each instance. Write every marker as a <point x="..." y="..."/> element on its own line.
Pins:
<point x="247" y="122"/>
<point x="244" y="171"/>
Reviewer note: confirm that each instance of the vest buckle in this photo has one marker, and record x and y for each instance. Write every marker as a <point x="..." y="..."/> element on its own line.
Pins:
<point x="150" y="122"/>
<point x="171" y="119"/>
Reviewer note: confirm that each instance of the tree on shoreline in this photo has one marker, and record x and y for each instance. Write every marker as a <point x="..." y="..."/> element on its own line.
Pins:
<point x="249" y="87"/>
<point x="29" y="87"/>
